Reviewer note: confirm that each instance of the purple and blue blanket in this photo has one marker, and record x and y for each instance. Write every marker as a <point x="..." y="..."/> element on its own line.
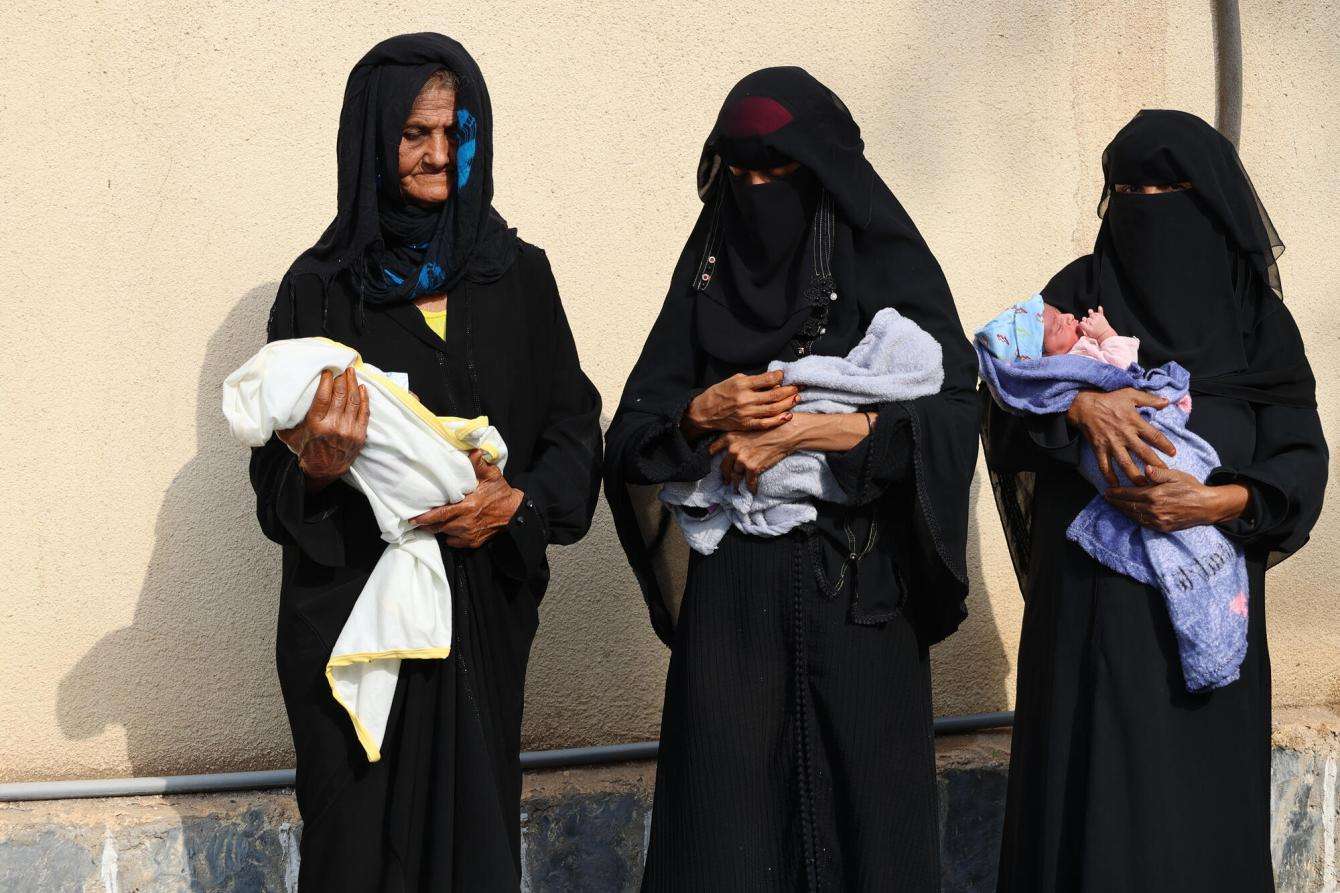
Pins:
<point x="1201" y="573"/>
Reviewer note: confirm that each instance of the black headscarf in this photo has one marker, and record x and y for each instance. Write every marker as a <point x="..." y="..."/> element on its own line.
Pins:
<point x="395" y="251"/>
<point x="1192" y="272"/>
<point x="860" y="254"/>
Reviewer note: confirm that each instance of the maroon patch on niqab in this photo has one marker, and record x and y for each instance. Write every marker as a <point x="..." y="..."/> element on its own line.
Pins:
<point x="754" y="116"/>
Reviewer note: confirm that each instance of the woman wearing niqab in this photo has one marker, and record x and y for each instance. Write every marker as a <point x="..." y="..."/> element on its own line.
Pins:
<point x="440" y="808"/>
<point x="1119" y="778"/>
<point x="796" y="743"/>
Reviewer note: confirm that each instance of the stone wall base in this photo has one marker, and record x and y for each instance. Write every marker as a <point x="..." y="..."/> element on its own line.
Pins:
<point x="582" y="829"/>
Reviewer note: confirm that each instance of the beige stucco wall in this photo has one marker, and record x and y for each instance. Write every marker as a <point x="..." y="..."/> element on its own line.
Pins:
<point x="162" y="163"/>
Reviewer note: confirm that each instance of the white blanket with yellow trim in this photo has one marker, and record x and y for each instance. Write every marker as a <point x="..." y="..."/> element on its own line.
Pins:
<point x="412" y="461"/>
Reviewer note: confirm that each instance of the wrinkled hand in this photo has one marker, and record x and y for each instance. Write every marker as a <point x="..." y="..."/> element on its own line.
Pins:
<point x="1175" y="500"/>
<point x="747" y="454"/>
<point x="1096" y="326"/>
<point x="331" y="436"/>
<point x="1113" y="426"/>
<point x="742" y="403"/>
<point x="474" y="520"/>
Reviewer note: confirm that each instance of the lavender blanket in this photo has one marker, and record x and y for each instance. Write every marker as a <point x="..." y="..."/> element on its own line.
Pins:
<point x="1201" y="573"/>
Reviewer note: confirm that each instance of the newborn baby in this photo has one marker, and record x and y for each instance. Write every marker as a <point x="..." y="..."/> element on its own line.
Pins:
<point x="1092" y="336"/>
<point x="1031" y="329"/>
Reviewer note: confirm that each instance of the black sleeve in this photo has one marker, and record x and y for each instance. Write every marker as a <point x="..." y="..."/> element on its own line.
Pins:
<point x="563" y="481"/>
<point x="1290" y="460"/>
<point x="288" y="514"/>
<point x="644" y="445"/>
<point x="881" y="459"/>
<point x="1286" y="478"/>
<point x="660" y="453"/>
<point x="1015" y="443"/>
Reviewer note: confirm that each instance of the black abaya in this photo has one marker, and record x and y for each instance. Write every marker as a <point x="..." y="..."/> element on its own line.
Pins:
<point x="796" y="745"/>
<point x="1119" y="778"/>
<point x="440" y="810"/>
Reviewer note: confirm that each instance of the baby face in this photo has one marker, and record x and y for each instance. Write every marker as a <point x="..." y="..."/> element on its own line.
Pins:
<point x="1060" y="331"/>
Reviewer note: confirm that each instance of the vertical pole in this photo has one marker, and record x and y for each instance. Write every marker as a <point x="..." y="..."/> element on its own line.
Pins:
<point x="1228" y="69"/>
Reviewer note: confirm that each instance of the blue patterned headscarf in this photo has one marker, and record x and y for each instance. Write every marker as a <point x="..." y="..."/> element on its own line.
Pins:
<point x="1016" y="334"/>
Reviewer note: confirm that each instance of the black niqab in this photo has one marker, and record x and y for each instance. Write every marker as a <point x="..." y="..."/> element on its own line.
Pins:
<point x="1160" y="147"/>
<point x="1192" y="272"/>
<point x="1171" y="266"/>
<point x="766" y="273"/>
<point x="396" y="251"/>
<point x="756" y="299"/>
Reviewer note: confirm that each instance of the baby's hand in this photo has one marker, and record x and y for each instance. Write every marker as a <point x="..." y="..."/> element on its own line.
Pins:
<point x="1096" y="326"/>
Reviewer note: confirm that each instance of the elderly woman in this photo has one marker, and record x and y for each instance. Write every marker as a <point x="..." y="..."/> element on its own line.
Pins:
<point x="796" y="747"/>
<point x="1120" y="779"/>
<point x="421" y="275"/>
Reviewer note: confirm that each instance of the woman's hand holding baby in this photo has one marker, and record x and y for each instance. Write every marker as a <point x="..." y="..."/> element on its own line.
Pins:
<point x="747" y="454"/>
<point x="475" y="520"/>
<point x="741" y="403"/>
<point x="330" y="437"/>
<point x="1120" y="436"/>
<point x="1174" y="500"/>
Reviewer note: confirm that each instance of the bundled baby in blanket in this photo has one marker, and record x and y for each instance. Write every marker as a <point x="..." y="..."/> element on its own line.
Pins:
<point x="896" y="360"/>
<point x="411" y="462"/>
<point x="1034" y="359"/>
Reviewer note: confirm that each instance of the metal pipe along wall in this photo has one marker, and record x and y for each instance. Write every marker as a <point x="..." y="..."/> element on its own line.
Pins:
<point x="282" y="778"/>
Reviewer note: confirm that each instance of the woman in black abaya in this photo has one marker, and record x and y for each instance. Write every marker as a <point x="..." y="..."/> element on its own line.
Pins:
<point x="415" y="234"/>
<point x="1120" y="779"/>
<point x="796" y="745"/>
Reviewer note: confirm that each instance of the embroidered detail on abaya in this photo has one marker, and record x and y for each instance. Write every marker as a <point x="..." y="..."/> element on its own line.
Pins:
<point x="796" y="747"/>
<point x="1119" y="778"/>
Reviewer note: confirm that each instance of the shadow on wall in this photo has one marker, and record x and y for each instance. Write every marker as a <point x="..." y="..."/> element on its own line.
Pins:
<point x="971" y="668"/>
<point x="597" y="671"/>
<point x="192" y="679"/>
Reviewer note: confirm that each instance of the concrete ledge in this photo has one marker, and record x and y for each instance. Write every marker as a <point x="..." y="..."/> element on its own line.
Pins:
<point x="582" y="829"/>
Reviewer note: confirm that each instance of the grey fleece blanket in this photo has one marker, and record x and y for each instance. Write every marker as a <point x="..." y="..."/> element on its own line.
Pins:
<point x="896" y="360"/>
